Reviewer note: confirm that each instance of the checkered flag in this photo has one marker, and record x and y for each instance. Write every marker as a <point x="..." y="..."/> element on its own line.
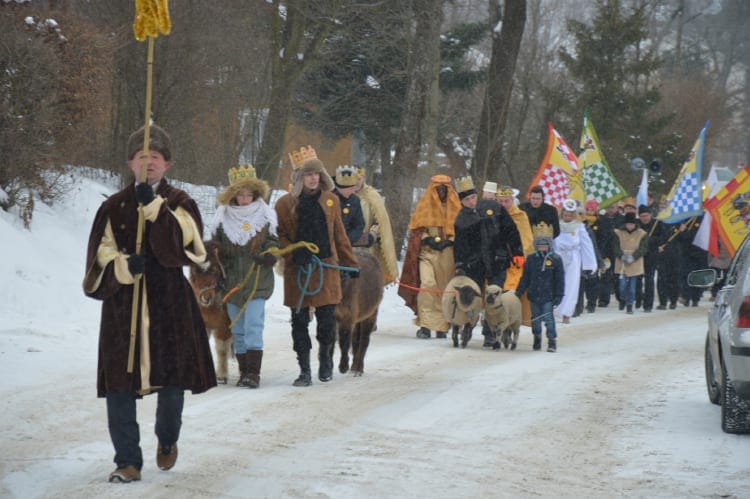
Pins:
<point x="686" y="196"/>
<point x="601" y="185"/>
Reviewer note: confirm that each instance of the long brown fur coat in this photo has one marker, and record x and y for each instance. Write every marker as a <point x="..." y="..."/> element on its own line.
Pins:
<point x="174" y="351"/>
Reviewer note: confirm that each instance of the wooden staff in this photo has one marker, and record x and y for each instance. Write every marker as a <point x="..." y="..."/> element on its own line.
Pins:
<point x="152" y="17"/>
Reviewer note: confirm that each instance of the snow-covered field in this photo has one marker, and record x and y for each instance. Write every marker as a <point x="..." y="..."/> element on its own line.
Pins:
<point x="619" y="411"/>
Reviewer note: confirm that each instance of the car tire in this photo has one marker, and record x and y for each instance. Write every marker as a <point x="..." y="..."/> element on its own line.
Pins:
<point x="735" y="411"/>
<point x="713" y="388"/>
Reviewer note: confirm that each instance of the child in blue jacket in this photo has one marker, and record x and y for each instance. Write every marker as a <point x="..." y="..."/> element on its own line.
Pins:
<point x="544" y="278"/>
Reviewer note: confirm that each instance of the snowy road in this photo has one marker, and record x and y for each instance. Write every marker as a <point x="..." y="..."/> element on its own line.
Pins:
<point x="619" y="411"/>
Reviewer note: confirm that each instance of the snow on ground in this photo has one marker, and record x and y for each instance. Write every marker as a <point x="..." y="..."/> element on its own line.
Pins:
<point x="619" y="411"/>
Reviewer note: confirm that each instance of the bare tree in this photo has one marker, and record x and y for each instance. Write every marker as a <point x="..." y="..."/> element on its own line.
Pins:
<point x="505" y="47"/>
<point x="423" y="58"/>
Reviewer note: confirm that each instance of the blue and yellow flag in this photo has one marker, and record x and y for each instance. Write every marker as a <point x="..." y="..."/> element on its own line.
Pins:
<point x="685" y="199"/>
<point x="598" y="181"/>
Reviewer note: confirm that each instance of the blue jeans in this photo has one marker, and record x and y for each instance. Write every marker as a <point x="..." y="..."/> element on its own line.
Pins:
<point x="541" y="312"/>
<point x="248" y="330"/>
<point x="627" y="288"/>
<point x="123" y="425"/>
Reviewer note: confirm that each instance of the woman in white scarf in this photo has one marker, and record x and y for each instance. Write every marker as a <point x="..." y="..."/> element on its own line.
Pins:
<point x="577" y="251"/>
<point x="244" y="228"/>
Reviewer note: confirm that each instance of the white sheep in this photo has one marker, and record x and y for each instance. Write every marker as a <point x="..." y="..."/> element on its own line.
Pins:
<point x="502" y="310"/>
<point x="462" y="304"/>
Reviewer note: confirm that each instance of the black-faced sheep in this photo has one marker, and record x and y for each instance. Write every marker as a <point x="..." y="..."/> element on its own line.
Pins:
<point x="502" y="310"/>
<point x="462" y="304"/>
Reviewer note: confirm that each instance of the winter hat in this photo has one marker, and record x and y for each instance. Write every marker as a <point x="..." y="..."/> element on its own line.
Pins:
<point x="305" y="161"/>
<point x="346" y="176"/>
<point x="643" y="209"/>
<point x="158" y="140"/>
<point x="629" y="218"/>
<point x="542" y="241"/>
<point x="592" y="205"/>
<point x="241" y="178"/>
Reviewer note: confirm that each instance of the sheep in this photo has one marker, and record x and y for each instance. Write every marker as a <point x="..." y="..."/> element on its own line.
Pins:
<point x="502" y="310"/>
<point x="462" y="304"/>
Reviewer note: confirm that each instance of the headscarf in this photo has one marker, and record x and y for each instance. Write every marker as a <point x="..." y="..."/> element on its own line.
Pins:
<point x="430" y="212"/>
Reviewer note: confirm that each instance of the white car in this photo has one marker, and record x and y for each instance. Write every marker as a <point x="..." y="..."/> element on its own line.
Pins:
<point x="727" y="355"/>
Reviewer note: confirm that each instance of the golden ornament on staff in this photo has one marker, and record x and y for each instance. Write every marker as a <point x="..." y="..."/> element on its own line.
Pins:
<point x="151" y="18"/>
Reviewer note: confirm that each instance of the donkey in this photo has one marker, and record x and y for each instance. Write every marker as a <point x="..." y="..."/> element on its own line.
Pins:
<point x="207" y="280"/>
<point x="357" y="314"/>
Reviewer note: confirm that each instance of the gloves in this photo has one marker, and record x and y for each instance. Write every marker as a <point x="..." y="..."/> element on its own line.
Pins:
<point x="587" y="274"/>
<point x="430" y="241"/>
<point x="518" y="260"/>
<point x="445" y="243"/>
<point x="349" y="274"/>
<point x="137" y="263"/>
<point x="627" y="259"/>
<point x="266" y="259"/>
<point x="301" y="257"/>
<point x="460" y="272"/>
<point x="144" y="193"/>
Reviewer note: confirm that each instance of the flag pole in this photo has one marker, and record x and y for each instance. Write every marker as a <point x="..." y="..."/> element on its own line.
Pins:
<point x="151" y="17"/>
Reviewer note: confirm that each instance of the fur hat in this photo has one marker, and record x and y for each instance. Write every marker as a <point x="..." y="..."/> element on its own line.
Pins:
<point x="306" y="161"/>
<point x="643" y="209"/>
<point x="630" y="218"/>
<point x="465" y="187"/>
<point x="158" y="140"/>
<point x="241" y="178"/>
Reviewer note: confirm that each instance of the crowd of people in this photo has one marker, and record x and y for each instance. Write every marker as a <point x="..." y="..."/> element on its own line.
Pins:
<point x="152" y="338"/>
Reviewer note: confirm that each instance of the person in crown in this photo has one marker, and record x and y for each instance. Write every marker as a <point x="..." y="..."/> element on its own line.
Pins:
<point x="428" y="264"/>
<point x="311" y="213"/>
<point x="351" y="209"/>
<point x="244" y="229"/>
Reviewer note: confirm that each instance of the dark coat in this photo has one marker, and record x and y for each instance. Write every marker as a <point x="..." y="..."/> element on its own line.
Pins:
<point x="545" y="213"/>
<point x="604" y="235"/>
<point x="237" y="261"/>
<point x="352" y="216"/>
<point x="178" y="344"/>
<point x="486" y="240"/>
<point x="543" y="278"/>
<point x="340" y="252"/>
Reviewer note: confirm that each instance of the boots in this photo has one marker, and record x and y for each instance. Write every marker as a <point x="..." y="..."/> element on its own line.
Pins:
<point x="242" y="364"/>
<point x="253" y="360"/>
<point x="325" y="357"/>
<point x="537" y="342"/>
<point x="551" y="345"/>
<point x="304" y="378"/>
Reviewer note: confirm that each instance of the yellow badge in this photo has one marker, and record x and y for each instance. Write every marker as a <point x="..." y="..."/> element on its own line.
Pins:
<point x="346" y="211"/>
<point x="490" y="213"/>
<point x="246" y="227"/>
<point x="329" y="203"/>
<point x="548" y="263"/>
<point x="437" y="239"/>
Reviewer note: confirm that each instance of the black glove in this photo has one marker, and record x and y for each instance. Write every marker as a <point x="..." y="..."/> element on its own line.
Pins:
<point x="445" y="243"/>
<point x="460" y="271"/>
<point x="137" y="263"/>
<point x="587" y="274"/>
<point x="430" y="241"/>
<point x="144" y="193"/>
<point x="266" y="259"/>
<point x="349" y="274"/>
<point x="301" y="257"/>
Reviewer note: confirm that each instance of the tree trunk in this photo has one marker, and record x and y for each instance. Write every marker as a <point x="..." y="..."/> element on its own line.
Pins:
<point x="505" y="47"/>
<point x="423" y="57"/>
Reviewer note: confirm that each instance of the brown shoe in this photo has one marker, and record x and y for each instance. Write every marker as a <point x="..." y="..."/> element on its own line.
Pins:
<point x="125" y="474"/>
<point x="166" y="456"/>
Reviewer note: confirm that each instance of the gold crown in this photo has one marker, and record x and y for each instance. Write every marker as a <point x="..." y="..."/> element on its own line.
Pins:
<point x="361" y="171"/>
<point x="346" y="176"/>
<point x="506" y="191"/>
<point x="464" y="184"/>
<point x="543" y="230"/>
<point x="304" y="154"/>
<point x="244" y="172"/>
